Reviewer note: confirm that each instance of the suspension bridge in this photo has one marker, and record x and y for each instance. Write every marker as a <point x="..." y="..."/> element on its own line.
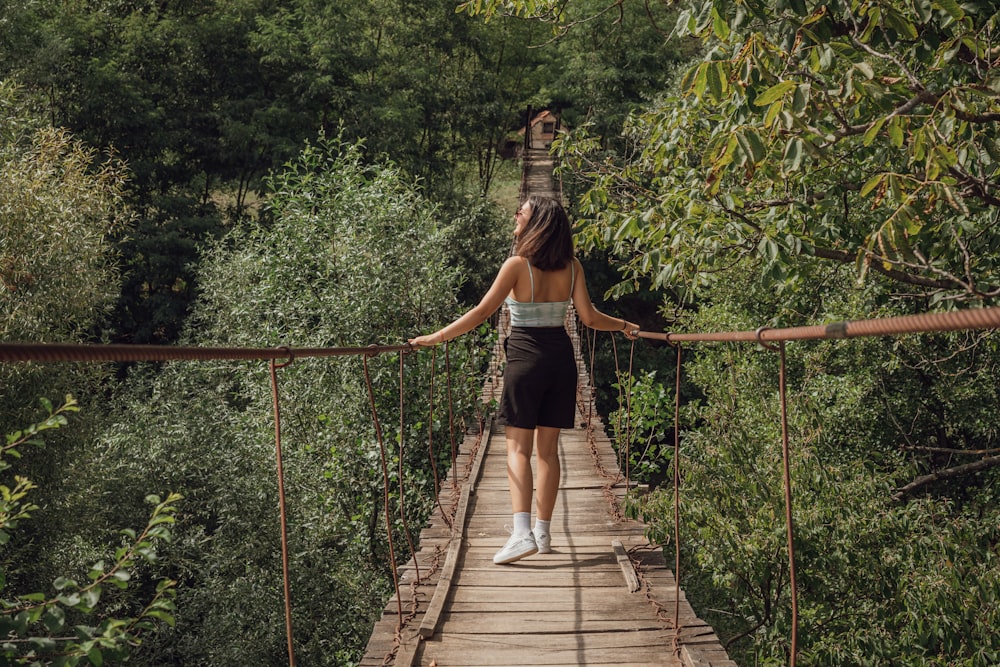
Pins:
<point x="605" y="595"/>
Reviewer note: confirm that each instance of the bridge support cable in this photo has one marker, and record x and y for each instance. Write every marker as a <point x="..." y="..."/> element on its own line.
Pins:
<point x="402" y="502"/>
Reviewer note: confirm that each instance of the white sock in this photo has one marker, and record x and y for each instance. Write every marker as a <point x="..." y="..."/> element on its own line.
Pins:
<point x="542" y="527"/>
<point x="522" y="523"/>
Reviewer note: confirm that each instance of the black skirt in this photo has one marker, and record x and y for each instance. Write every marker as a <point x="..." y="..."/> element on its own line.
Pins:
<point x="539" y="381"/>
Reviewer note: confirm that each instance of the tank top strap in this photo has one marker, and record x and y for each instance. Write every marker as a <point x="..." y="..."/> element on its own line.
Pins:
<point x="572" y="279"/>
<point x="531" y="277"/>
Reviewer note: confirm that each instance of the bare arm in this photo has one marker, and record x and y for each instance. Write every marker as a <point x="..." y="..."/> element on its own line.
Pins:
<point x="592" y="317"/>
<point x="491" y="301"/>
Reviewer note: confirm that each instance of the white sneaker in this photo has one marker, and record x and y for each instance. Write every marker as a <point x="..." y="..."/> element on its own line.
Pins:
<point x="544" y="542"/>
<point x="517" y="547"/>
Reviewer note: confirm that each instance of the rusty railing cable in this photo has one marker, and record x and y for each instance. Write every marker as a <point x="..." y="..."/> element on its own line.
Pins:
<point x="973" y="318"/>
<point x="50" y="352"/>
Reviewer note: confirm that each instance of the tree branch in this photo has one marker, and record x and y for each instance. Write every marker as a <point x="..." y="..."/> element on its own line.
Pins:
<point x="948" y="450"/>
<point x="947" y="473"/>
<point x="900" y="276"/>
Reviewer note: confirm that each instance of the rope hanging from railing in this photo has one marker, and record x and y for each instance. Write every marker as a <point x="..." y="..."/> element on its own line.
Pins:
<point x="787" y="479"/>
<point x="402" y="502"/>
<point x="430" y="443"/>
<point x="274" y="366"/>
<point x="677" y="498"/>
<point x="385" y="494"/>
<point x="451" y="412"/>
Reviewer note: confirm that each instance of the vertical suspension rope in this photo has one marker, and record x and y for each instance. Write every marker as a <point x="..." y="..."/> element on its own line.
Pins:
<point x="591" y="349"/>
<point x="385" y="496"/>
<point x="402" y="504"/>
<point x="787" y="478"/>
<point x="451" y="414"/>
<point x="430" y="443"/>
<point x="621" y="401"/>
<point x="788" y="505"/>
<point x="677" y="496"/>
<point x="281" y="508"/>
<point x="628" y="422"/>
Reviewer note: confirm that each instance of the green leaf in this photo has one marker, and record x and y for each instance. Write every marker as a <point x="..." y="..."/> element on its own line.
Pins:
<point x="873" y="131"/>
<point x="54" y="619"/>
<point x="952" y="7"/>
<point x="800" y="100"/>
<point x="716" y="80"/>
<point x="774" y="93"/>
<point x="91" y="597"/>
<point x="872" y="183"/>
<point x="164" y="616"/>
<point x="896" y="132"/>
<point x="792" y="158"/>
<point x="719" y="25"/>
<point x="756" y="147"/>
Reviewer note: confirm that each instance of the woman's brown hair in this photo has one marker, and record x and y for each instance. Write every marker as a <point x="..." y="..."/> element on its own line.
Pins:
<point x="546" y="239"/>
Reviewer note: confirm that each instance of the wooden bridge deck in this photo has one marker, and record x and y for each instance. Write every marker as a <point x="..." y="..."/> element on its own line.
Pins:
<point x="604" y="596"/>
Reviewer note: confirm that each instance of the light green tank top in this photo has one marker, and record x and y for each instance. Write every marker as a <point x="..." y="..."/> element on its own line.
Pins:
<point x="540" y="313"/>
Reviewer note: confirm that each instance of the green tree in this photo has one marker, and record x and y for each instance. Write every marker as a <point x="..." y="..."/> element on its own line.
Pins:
<point x="59" y="206"/>
<point x="61" y="203"/>
<point x="861" y="134"/>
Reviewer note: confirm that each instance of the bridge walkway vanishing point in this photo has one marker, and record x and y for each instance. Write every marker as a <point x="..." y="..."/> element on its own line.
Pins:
<point x="603" y="596"/>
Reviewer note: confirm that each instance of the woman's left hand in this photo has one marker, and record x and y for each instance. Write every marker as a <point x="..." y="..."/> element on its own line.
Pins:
<point x="631" y="331"/>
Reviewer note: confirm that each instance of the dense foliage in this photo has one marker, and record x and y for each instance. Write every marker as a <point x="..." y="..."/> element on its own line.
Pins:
<point x="856" y="133"/>
<point x="345" y="255"/>
<point x="203" y="99"/>
<point x="68" y="622"/>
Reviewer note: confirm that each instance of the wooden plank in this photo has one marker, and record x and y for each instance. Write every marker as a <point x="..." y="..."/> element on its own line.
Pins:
<point x="607" y="648"/>
<point x="430" y="621"/>
<point x="631" y="579"/>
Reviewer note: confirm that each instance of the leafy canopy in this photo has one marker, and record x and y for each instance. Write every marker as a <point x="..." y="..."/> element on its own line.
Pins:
<point x="859" y="133"/>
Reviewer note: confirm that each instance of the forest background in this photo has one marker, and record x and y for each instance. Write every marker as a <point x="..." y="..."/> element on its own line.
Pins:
<point x="255" y="173"/>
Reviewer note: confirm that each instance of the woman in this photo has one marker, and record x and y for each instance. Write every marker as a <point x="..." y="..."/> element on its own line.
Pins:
<point x="539" y="396"/>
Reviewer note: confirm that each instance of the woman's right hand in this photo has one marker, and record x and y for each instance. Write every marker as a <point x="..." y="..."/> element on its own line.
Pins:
<point x="426" y="341"/>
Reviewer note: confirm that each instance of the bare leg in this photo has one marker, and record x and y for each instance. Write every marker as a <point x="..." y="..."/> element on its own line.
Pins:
<point x="547" y="440"/>
<point x="519" y="445"/>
